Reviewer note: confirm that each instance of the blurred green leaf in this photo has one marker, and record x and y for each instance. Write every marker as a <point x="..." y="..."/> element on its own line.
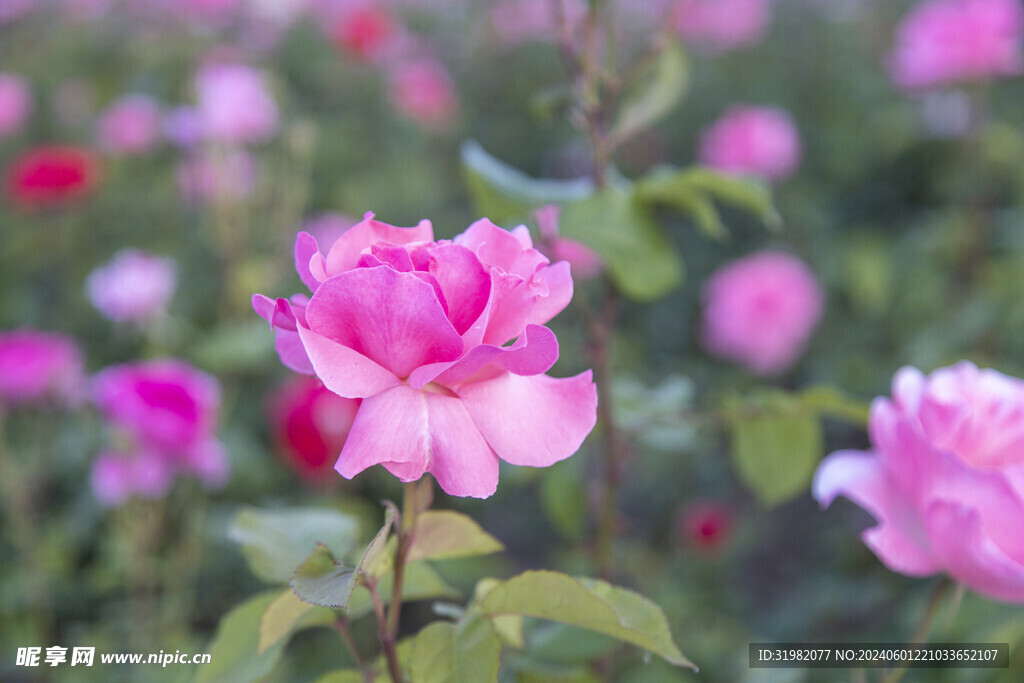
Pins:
<point x="467" y="651"/>
<point x="641" y="260"/>
<point x="421" y="582"/>
<point x="283" y="616"/>
<point x="234" y="346"/>
<point x="690" y="189"/>
<point x="830" y="401"/>
<point x="374" y="560"/>
<point x="441" y="534"/>
<point x="275" y="542"/>
<point x="588" y="603"/>
<point x="378" y="667"/>
<point x="775" y="454"/>
<point x="563" y="498"/>
<point x="868" y="273"/>
<point x="322" y="581"/>
<point x="660" y="87"/>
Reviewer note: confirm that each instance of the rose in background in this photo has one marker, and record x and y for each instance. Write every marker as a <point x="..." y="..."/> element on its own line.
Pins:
<point x="422" y="91"/>
<point x="52" y="176"/>
<point x="944" y="479"/>
<point x="947" y="41"/>
<point x="705" y="526"/>
<point x="38" y="368"/>
<point x="15" y="104"/>
<point x="131" y="125"/>
<point x="583" y="260"/>
<point x="135" y="286"/>
<point x="748" y="140"/>
<point x="208" y="174"/>
<point x="722" y="25"/>
<point x="234" y="104"/>
<point x="760" y="310"/>
<point x="163" y="418"/>
<point x="417" y="329"/>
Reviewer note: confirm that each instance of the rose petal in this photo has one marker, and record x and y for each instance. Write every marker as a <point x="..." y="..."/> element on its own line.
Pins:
<point x="305" y="249"/>
<point x="344" y="371"/>
<point x="344" y="253"/>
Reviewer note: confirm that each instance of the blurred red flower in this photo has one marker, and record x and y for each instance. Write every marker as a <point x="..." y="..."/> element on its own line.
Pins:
<point x="705" y="525"/>
<point x="52" y="175"/>
<point x="364" y="31"/>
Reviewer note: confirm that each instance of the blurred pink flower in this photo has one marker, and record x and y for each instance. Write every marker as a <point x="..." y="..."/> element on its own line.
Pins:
<point x="418" y="330"/>
<point x="234" y="104"/>
<point x="130" y="125"/>
<point x="12" y="9"/>
<point x="183" y="127"/>
<point x="365" y="31"/>
<point x="722" y="25"/>
<point x="945" y="478"/>
<point x="166" y="412"/>
<point x="514" y="22"/>
<point x="422" y="91"/>
<point x="760" y="310"/>
<point x="748" y="140"/>
<point x="585" y="262"/>
<point x="39" y="367"/>
<point x="705" y="525"/>
<point x="947" y="41"/>
<point x="327" y="227"/>
<point x="15" y="104"/>
<point x="217" y="174"/>
<point x="310" y="424"/>
<point x="134" y="286"/>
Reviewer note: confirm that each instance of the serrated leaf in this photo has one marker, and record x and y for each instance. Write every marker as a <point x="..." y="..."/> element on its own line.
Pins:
<point x="421" y="582"/>
<point x="445" y="534"/>
<point x="662" y="87"/>
<point x="275" y="542"/>
<point x="677" y="188"/>
<point x="640" y="259"/>
<point x="588" y="603"/>
<point x="284" y="615"/>
<point x="467" y="651"/>
<point x="320" y="580"/>
<point x="776" y="455"/>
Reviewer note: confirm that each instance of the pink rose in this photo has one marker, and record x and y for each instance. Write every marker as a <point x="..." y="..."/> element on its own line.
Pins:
<point x="722" y="25"/>
<point x="15" y="104"/>
<point x="234" y="104"/>
<point x="946" y="41"/>
<point x="166" y="413"/>
<point x="418" y="330"/>
<point x="131" y="125"/>
<point x="757" y="141"/>
<point x="760" y="311"/>
<point x="38" y="367"/>
<point x="945" y="478"/>
<point x="422" y="91"/>
<point x="134" y="286"/>
<point x="518" y="21"/>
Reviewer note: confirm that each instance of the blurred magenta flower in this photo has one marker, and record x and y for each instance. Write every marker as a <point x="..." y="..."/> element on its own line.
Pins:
<point x="583" y="260"/>
<point x="182" y="127"/>
<point x="234" y="104"/>
<point x="945" y="478"/>
<point x="165" y="414"/>
<point x="39" y="368"/>
<point x="422" y="91"/>
<point x="760" y="310"/>
<point x="947" y="41"/>
<point x="50" y="176"/>
<point x="310" y="424"/>
<point x="418" y="330"/>
<point x="15" y="104"/>
<point x="130" y="125"/>
<point x="12" y="9"/>
<point x="217" y="174"/>
<point x="705" y="525"/>
<point x="365" y="31"/>
<point x="135" y="286"/>
<point x="722" y="25"/>
<point x="514" y="22"/>
<point x="758" y="141"/>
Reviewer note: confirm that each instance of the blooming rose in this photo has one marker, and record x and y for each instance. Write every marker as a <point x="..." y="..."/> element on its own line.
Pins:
<point x="234" y="104"/>
<point x="423" y="91"/>
<point x="945" y="41"/>
<point x="419" y="330"/>
<point x="760" y="311"/>
<point x="135" y="286"/>
<point x="310" y="424"/>
<point x="945" y="478"/>
<point x="166" y="412"/>
<point x="757" y="141"/>
<point x="36" y="367"/>
<point x="51" y="176"/>
<point x="131" y="125"/>
<point x="15" y="104"/>
<point x="722" y="25"/>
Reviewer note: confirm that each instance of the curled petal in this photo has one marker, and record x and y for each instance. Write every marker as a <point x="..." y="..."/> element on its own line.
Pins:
<point x="558" y="282"/>
<point x="534" y="353"/>
<point x="345" y="252"/>
<point x="305" y="249"/>
<point x="511" y="253"/>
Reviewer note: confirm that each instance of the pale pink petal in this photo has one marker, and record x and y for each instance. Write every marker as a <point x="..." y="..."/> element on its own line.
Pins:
<point x="347" y="373"/>
<point x="344" y="254"/>
<point x="532" y="420"/>
<point x="305" y="249"/>
<point x="558" y="281"/>
<point x="534" y="353"/>
<point x="508" y="308"/>
<point x="460" y="459"/>
<point x="292" y="353"/>
<point x="500" y="248"/>
<point x="391" y="428"/>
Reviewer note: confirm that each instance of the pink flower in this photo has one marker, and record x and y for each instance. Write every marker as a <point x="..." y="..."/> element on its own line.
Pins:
<point x="39" y="367"/>
<point x="585" y="263"/>
<point x="705" y="525"/>
<point x="182" y="127"/>
<point x="760" y="311"/>
<point x="422" y="91"/>
<point x="946" y="41"/>
<point x="327" y="227"/>
<point x="310" y="424"/>
<point x="134" y="286"/>
<point x="945" y="478"/>
<point x="131" y="125"/>
<point x="518" y="21"/>
<point x="15" y="104"/>
<point x="365" y="32"/>
<point x="234" y="104"/>
<point x="166" y="413"/>
<point x="722" y="25"/>
<point x="217" y="174"/>
<point x="418" y="329"/>
<point x="757" y="141"/>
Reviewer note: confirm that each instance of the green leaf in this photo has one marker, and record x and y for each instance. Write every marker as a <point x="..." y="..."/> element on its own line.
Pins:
<point x="443" y="534"/>
<point x="467" y="651"/>
<point x="375" y="562"/>
<point x="564" y="499"/>
<point x="640" y="259"/>
<point x="421" y="582"/>
<point x="275" y="542"/>
<point x="776" y="455"/>
<point x="322" y="581"/>
<point x="826" y="400"/>
<point x="689" y="189"/>
<point x="587" y="603"/>
<point x="232" y="347"/>
<point x="378" y="668"/>
<point x="284" y="615"/>
<point x="661" y="87"/>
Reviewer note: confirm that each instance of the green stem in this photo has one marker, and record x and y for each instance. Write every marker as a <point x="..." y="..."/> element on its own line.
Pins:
<point x="939" y="592"/>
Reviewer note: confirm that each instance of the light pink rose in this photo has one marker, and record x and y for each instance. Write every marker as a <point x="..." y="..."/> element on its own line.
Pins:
<point x="585" y="262"/>
<point x="234" y="104"/>
<point x="39" y="367"/>
<point x="15" y="104"/>
<point x="947" y="41"/>
<point x="418" y="330"/>
<point x="130" y="125"/>
<point x="760" y="310"/>
<point x="166" y="414"/>
<point x="422" y="91"/>
<point x="217" y="174"/>
<point x="722" y="25"/>
<point x="944" y="479"/>
<point x="756" y="141"/>
<point x="134" y="286"/>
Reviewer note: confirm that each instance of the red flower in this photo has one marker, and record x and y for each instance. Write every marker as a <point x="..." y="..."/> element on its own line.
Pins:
<point x="364" y="31"/>
<point x="705" y="525"/>
<point x="49" y="176"/>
